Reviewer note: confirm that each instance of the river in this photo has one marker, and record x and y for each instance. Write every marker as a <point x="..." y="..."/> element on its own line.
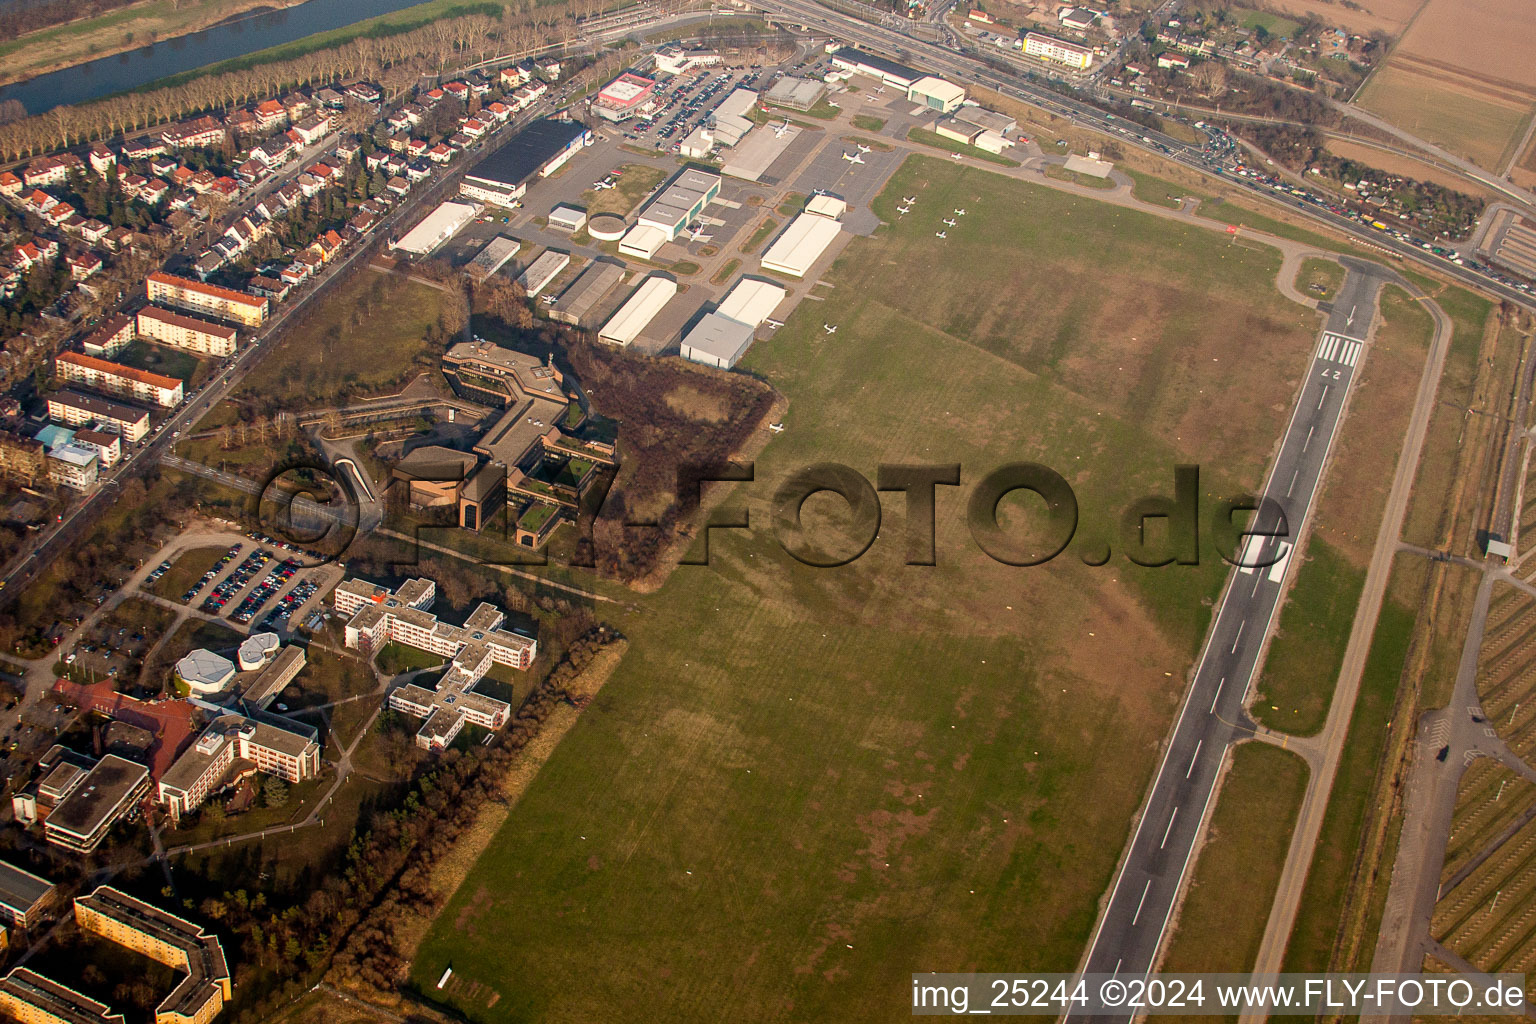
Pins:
<point x="249" y="33"/>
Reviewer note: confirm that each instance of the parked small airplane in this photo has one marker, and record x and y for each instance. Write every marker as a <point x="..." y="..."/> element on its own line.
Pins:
<point x="955" y="155"/>
<point x="940" y="234"/>
<point x="903" y="209"/>
<point x="829" y="328"/>
<point x="909" y="200"/>
<point x="950" y="223"/>
<point x="862" y="149"/>
<point x="777" y="428"/>
<point x="853" y="158"/>
<point x="774" y="325"/>
<point x="780" y="129"/>
<point x="959" y="213"/>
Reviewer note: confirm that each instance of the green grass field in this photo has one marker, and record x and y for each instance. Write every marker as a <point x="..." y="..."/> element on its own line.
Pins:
<point x="802" y="785"/>
<point x="1274" y="24"/>
<point x="368" y="335"/>
<point x="185" y="571"/>
<point x="1319" y="278"/>
<point x="1222" y="920"/>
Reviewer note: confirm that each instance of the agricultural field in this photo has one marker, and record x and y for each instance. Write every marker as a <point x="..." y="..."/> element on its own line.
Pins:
<point x="1406" y="166"/>
<point x="938" y="765"/>
<point x="1476" y="125"/>
<point x="1365" y="17"/>
<point x="1505" y="680"/>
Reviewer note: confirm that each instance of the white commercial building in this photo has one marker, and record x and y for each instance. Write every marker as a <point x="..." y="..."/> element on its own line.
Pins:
<point x="752" y="301"/>
<point x="568" y="218"/>
<point x="637" y="313"/>
<point x="492" y="258"/>
<point x="436" y="228"/>
<point x="936" y="94"/>
<point x="1057" y="51"/>
<point x="204" y="672"/>
<point x="801" y="245"/>
<point x="258" y="649"/>
<point x="717" y="341"/>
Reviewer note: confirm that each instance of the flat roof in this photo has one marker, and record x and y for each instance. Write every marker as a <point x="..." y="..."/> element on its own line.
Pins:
<point x="625" y="89"/>
<point x="676" y="202"/>
<point x="888" y="68"/>
<point x="118" y="369"/>
<point x="21" y="890"/>
<point x="719" y="336"/>
<point x="1064" y="44"/>
<point x="437" y="227"/>
<point x="190" y="323"/>
<point x="73" y="455"/>
<point x="757" y="151"/>
<point x="98" y="797"/>
<point x="738" y="103"/>
<point x="523" y="155"/>
<point x="203" y="666"/>
<point x="60" y="1001"/>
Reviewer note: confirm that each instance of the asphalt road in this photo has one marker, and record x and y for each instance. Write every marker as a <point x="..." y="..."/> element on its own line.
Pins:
<point x="1131" y="928"/>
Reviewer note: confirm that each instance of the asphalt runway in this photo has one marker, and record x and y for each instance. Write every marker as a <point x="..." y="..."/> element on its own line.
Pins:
<point x="1132" y="926"/>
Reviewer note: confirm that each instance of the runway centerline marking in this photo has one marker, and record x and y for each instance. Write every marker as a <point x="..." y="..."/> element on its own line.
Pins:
<point x="1198" y="745"/>
<point x="1239" y="636"/>
<point x="1219" y="685"/>
<point x="1169" y="830"/>
<point x="1145" y="889"/>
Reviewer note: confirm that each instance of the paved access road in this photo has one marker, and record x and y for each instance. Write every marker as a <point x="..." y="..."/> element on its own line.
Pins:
<point x="1130" y="931"/>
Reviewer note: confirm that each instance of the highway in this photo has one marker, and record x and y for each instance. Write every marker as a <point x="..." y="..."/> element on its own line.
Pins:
<point x="964" y="67"/>
<point x="1131" y="928"/>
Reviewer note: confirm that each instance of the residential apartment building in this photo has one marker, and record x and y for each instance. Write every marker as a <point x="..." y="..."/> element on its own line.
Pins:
<point x="211" y="299"/>
<point x="116" y="379"/>
<point x="78" y="409"/>
<point x="25" y="898"/>
<point x="33" y="999"/>
<point x="107" y="446"/>
<point x="190" y="333"/>
<point x="168" y="939"/>
<point x="74" y="466"/>
<point x="280" y="750"/>
<point x="22" y="459"/>
<point x="1057" y="51"/>
<point x="110" y="338"/>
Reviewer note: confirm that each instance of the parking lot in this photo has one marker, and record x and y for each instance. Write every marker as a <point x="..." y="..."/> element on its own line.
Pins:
<point x="686" y="102"/>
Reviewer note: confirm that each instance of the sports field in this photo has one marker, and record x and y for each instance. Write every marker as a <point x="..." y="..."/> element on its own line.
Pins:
<point x="801" y="785"/>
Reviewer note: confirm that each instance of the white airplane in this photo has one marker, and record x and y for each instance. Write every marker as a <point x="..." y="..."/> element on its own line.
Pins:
<point x="830" y="329"/>
<point x="853" y="158"/>
<point x="780" y="129"/>
<point x="959" y="213"/>
<point x="777" y="428"/>
<point x="950" y="223"/>
<point x="956" y="156"/>
<point x="818" y="191"/>
<point x="862" y="149"/>
<point x="909" y="200"/>
<point x="941" y="234"/>
<point x="903" y="210"/>
<point x="774" y="325"/>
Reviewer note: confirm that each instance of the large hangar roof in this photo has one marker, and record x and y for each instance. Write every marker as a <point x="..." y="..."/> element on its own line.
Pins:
<point x="801" y="244"/>
<point x="525" y="154"/>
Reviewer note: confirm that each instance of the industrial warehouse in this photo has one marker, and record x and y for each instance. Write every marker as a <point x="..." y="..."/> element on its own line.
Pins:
<point x="537" y="151"/>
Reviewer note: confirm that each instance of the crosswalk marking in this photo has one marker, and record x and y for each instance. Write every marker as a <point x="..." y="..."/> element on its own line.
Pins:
<point x="1335" y="348"/>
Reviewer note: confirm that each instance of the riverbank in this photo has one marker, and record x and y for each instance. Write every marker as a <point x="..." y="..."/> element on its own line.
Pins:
<point x="128" y="28"/>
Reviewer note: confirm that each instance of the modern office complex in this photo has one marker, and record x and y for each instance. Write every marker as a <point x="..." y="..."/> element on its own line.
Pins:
<point x="91" y="801"/>
<point x="288" y="750"/>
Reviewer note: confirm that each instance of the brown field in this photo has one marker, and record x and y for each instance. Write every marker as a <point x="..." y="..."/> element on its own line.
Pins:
<point x="1444" y="107"/>
<point x="1504" y="672"/>
<point x="1490" y="800"/>
<point x="1485" y="41"/>
<point x="1523" y="173"/>
<point x="1408" y="167"/>
<point x="1490" y="918"/>
<point x="1390" y="16"/>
